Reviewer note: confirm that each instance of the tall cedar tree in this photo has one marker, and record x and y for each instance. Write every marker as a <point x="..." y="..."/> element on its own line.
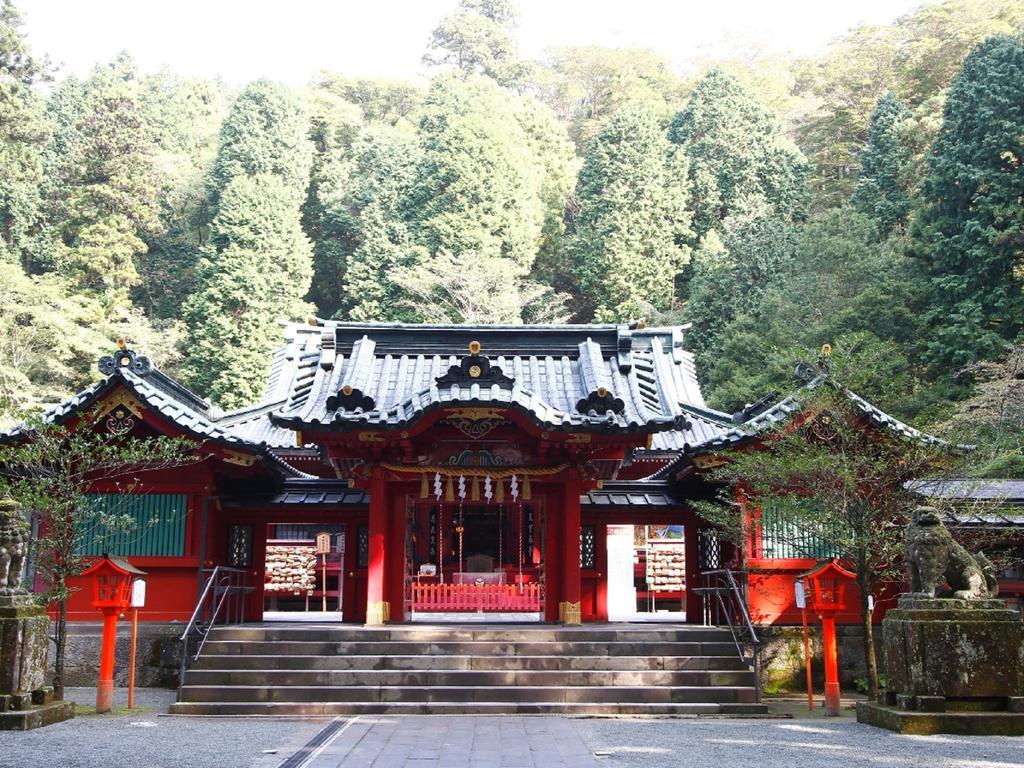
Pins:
<point x="630" y="232"/>
<point x="23" y="134"/>
<point x="478" y="38"/>
<point x="839" y="482"/>
<point x="883" y="189"/>
<point x="969" y="233"/>
<point x="475" y="190"/>
<point x="51" y="472"/>
<point x="736" y="151"/>
<point x="104" y="194"/>
<point x="368" y="211"/>
<point x="258" y="265"/>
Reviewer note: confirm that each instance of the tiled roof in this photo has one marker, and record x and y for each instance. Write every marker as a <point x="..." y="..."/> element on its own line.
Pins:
<point x="727" y="434"/>
<point x="613" y="378"/>
<point x="1006" y="491"/>
<point x="191" y="413"/>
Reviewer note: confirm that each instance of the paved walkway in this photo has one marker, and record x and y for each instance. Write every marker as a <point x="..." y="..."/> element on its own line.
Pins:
<point x="143" y="738"/>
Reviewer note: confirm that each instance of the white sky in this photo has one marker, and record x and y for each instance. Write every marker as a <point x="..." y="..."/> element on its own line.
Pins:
<point x="290" y="40"/>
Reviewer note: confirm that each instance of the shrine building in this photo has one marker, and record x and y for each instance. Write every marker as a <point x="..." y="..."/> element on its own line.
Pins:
<point x="398" y="473"/>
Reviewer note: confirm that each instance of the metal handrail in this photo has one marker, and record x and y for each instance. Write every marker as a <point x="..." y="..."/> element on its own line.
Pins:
<point x="223" y="585"/>
<point x="732" y="607"/>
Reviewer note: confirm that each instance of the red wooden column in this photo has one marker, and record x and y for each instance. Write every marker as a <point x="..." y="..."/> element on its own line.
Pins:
<point x="569" y="605"/>
<point x="377" y="608"/>
<point x="395" y="560"/>
<point x="552" y="556"/>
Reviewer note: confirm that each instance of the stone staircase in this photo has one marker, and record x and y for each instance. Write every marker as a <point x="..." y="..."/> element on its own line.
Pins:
<point x="458" y="669"/>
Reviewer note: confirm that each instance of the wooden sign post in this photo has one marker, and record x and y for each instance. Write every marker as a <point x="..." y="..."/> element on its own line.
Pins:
<point x="801" y="603"/>
<point x="323" y="547"/>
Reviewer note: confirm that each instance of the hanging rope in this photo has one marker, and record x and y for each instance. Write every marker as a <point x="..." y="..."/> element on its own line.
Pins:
<point x="446" y="470"/>
<point x="520" y="549"/>
<point x="440" y="527"/>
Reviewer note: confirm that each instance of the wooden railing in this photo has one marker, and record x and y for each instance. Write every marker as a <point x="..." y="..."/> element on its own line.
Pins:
<point x="477" y="597"/>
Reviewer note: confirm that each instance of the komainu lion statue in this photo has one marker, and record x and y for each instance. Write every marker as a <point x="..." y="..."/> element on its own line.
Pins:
<point x="936" y="559"/>
<point x="14" y="537"/>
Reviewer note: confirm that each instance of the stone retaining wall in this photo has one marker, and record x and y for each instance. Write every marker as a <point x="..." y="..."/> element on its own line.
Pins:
<point x="782" y="656"/>
<point x="156" y="654"/>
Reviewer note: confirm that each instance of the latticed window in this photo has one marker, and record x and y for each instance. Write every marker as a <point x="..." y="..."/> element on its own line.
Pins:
<point x="363" y="547"/>
<point x="588" y="537"/>
<point x="140" y="525"/>
<point x="789" y="531"/>
<point x="710" y="549"/>
<point x="240" y="546"/>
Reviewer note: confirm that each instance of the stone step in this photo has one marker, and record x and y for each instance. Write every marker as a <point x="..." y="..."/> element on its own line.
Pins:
<point x="464" y="678"/>
<point x="435" y="662"/>
<point x="469" y="634"/>
<point x="320" y="709"/>
<point x="467" y="648"/>
<point x="494" y="694"/>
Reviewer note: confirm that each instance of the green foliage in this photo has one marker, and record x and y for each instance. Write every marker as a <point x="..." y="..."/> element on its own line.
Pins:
<point x="104" y="196"/>
<point x="51" y="473"/>
<point x="992" y="417"/>
<point x="586" y="85"/>
<point x="475" y="189"/>
<point x="883" y="189"/>
<point x="23" y="134"/>
<point x="628" y="241"/>
<point x="183" y="118"/>
<point x="265" y="132"/>
<point x="253" y="274"/>
<point x="368" y="216"/>
<point x="738" y="156"/>
<point x="477" y="38"/>
<point x="916" y="58"/>
<point x="834" y="282"/>
<point x="730" y="274"/>
<point x="841" y="482"/>
<point x="257" y="266"/>
<point x="968" y="233"/>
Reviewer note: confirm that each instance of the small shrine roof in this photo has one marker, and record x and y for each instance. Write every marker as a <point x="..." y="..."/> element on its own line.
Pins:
<point x="745" y="426"/>
<point x="194" y="415"/>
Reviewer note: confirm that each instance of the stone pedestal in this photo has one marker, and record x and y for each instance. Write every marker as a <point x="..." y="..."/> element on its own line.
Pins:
<point x="952" y="666"/>
<point x="25" y="700"/>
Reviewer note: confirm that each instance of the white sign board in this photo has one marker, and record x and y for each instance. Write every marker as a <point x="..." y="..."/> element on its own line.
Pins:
<point x="801" y="595"/>
<point x="139" y="593"/>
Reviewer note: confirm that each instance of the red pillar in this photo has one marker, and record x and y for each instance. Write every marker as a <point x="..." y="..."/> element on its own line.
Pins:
<point x="105" y="686"/>
<point x="552" y="555"/>
<point x="569" y="605"/>
<point x="828" y="627"/>
<point x="395" y="560"/>
<point x="377" y="608"/>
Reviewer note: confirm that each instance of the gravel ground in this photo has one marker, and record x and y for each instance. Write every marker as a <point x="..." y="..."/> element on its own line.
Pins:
<point x="143" y="739"/>
<point x="800" y="743"/>
<point x="140" y="738"/>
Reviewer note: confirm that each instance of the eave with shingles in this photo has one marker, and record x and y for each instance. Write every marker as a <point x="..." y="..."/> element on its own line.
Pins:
<point x="611" y="379"/>
<point x="194" y="416"/>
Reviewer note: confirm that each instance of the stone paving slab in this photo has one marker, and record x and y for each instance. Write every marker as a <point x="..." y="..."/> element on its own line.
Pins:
<point x="456" y="742"/>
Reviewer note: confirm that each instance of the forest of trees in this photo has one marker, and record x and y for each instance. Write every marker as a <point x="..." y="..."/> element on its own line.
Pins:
<point x="869" y="197"/>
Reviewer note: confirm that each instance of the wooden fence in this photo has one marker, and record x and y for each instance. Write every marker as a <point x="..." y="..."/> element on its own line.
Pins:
<point x="477" y="597"/>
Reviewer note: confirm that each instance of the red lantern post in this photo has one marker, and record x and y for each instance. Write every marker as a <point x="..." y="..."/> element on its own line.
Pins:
<point x="826" y="584"/>
<point x="112" y="593"/>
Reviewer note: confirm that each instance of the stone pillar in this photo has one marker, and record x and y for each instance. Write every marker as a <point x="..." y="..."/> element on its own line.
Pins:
<point x="377" y="607"/>
<point x="569" y="606"/>
<point x="25" y="699"/>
